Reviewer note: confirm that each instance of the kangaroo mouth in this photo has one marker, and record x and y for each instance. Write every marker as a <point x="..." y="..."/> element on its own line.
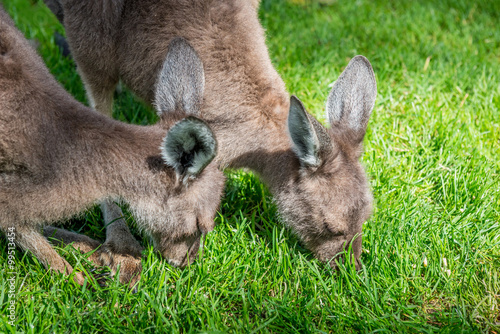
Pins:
<point x="185" y="252"/>
<point x="335" y="250"/>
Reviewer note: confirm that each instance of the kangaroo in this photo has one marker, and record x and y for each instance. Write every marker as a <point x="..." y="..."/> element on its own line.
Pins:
<point x="58" y="158"/>
<point x="313" y="172"/>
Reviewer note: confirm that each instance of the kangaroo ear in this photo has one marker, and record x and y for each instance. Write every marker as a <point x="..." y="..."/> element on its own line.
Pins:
<point x="181" y="80"/>
<point x="302" y="132"/>
<point x="352" y="98"/>
<point x="189" y="146"/>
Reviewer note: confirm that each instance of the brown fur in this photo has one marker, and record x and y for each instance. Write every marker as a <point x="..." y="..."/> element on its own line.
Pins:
<point x="246" y="104"/>
<point x="58" y="158"/>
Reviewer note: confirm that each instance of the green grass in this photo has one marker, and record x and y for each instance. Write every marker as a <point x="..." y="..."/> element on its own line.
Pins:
<point x="431" y="152"/>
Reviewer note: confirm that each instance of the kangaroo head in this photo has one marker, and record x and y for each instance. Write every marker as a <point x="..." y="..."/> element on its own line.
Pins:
<point x="328" y="198"/>
<point x="189" y="147"/>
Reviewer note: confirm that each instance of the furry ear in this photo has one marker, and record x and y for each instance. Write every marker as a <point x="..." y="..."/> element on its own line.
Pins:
<point x="189" y="146"/>
<point x="181" y="80"/>
<point x="352" y="98"/>
<point x="302" y="132"/>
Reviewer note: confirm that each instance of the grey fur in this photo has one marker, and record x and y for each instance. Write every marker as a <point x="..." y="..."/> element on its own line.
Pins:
<point x="181" y="80"/>
<point x="189" y="146"/>
<point x="305" y="142"/>
<point x="58" y="158"/>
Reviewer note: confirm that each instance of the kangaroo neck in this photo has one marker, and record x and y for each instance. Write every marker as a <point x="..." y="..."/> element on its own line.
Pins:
<point x="254" y="141"/>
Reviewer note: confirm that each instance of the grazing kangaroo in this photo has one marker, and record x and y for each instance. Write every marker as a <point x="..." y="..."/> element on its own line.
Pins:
<point x="58" y="157"/>
<point x="313" y="172"/>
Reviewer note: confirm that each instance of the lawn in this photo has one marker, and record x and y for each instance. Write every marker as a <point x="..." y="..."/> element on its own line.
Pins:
<point x="431" y="250"/>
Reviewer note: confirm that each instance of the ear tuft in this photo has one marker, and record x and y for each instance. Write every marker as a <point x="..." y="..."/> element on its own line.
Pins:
<point x="304" y="138"/>
<point x="189" y="146"/>
<point x="181" y="80"/>
<point x="352" y="97"/>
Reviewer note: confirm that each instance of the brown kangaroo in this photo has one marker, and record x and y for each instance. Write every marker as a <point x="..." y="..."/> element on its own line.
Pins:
<point x="313" y="172"/>
<point x="58" y="158"/>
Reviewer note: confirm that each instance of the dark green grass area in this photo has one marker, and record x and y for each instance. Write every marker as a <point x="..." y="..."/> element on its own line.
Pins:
<point x="431" y="251"/>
